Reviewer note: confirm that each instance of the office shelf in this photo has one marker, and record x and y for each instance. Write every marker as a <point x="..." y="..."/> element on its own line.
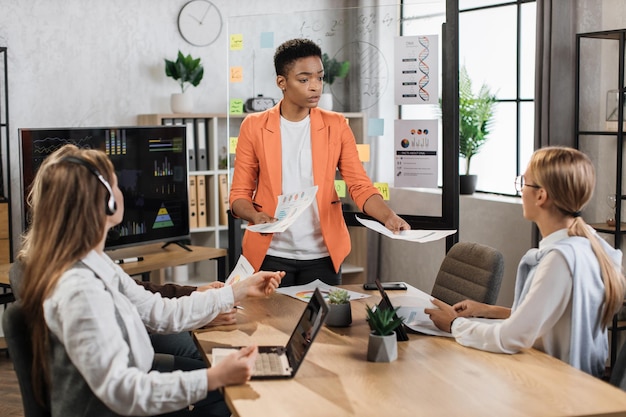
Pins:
<point x="599" y="70"/>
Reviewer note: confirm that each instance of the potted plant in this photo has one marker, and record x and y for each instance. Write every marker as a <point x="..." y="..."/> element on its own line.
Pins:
<point x="340" y="312"/>
<point x="382" y="344"/>
<point x="475" y="119"/>
<point x="186" y="71"/>
<point x="333" y="69"/>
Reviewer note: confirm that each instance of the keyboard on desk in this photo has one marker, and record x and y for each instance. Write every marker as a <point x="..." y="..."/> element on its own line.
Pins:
<point x="271" y="364"/>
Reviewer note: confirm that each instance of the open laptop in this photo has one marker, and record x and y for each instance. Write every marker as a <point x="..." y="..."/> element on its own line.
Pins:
<point x="385" y="303"/>
<point x="275" y="362"/>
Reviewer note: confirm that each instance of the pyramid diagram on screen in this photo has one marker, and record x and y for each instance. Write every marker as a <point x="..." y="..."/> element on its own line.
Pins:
<point x="163" y="219"/>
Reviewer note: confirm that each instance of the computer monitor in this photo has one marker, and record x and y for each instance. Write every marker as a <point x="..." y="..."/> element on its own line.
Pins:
<point x="151" y="167"/>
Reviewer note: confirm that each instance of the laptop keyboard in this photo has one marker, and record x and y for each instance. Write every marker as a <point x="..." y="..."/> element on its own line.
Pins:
<point x="268" y="363"/>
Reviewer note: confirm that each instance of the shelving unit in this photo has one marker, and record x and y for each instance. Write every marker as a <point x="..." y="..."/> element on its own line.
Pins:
<point x="6" y="253"/>
<point x="212" y="132"/>
<point x="600" y="70"/>
<point x="209" y="132"/>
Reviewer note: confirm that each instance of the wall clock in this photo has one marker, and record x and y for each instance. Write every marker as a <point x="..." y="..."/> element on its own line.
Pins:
<point x="199" y="22"/>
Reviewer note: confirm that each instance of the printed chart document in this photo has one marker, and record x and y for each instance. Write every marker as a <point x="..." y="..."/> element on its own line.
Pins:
<point x="290" y="206"/>
<point x="304" y="292"/>
<point x="420" y="236"/>
<point x="241" y="271"/>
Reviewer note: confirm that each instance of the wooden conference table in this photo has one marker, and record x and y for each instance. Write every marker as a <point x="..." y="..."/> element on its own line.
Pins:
<point x="433" y="376"/>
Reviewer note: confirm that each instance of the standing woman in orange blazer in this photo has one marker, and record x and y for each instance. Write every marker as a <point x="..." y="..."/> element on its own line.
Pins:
<point x="291" y="147"/>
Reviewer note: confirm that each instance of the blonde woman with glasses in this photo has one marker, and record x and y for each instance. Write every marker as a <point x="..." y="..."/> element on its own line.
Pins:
<point x="567" y="291"/>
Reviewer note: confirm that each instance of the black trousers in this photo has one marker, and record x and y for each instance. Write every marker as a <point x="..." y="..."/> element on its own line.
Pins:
<point x="302" y="272"/>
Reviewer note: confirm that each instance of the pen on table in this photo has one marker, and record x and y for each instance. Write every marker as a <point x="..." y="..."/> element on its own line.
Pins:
<point x="129" y="260"/>
<point x="240" y="307"/>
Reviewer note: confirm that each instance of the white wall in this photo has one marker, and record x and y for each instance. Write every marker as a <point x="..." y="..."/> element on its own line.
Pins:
<point x="87" y="63"/>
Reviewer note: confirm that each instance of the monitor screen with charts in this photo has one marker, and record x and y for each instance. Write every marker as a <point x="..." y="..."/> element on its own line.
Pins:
<point x="151" y="167"/>
<point x="283" y="361"/>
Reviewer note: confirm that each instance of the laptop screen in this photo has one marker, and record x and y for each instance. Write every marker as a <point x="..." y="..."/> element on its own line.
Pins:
<point x="310" y="323"/>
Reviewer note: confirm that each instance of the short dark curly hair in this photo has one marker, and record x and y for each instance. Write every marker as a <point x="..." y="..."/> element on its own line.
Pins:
<point x="290" y="51"/>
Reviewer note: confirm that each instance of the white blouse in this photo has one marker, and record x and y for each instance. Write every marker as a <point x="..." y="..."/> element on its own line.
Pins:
<point x="81" y="313"/>
<point x="542" y="320"/>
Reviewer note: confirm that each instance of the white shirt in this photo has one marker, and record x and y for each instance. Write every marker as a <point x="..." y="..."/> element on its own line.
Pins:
<point x="303" y="240"/>
<point x="81" y="313"/>
<point x="542" y="320"/>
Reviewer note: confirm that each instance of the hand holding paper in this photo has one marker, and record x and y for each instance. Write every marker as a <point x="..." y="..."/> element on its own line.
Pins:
<point x="420" y="236"/>
<point x="289" y="207"/>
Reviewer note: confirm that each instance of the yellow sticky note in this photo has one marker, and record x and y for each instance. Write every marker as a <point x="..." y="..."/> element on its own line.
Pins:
<point x="364" y="152"/>
<point x="383" y="188"/>
<point x="236" y="42"/>
<point x="232" y="144"/>
<point x="236" y="106"/>
<point x="340" y="188"/>
<point x="236" y="74"/>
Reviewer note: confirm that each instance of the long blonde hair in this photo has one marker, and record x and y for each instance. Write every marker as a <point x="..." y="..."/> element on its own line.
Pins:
<point x="67" y="220"/>
<point x="568" y="176"/>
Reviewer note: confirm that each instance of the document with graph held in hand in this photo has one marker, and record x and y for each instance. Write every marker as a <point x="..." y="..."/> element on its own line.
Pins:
<point x="290" y="207"/>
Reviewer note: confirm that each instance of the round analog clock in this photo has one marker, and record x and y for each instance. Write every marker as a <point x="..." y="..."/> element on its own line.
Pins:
<point x="199" y="22"/>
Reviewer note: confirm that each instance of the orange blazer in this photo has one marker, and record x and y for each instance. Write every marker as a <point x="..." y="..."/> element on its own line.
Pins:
<point x="258" y="176"/>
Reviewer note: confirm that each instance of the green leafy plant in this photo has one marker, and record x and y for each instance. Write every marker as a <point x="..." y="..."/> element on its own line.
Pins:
<point x="383" y="321"/>
<point x="334" y="69"/>
<point x="475" y="117"/>
<point x="338" y="296"/>
<point x="186" y="70"/>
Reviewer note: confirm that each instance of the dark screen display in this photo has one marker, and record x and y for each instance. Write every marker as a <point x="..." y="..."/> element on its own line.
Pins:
<point x="151" y="168"/>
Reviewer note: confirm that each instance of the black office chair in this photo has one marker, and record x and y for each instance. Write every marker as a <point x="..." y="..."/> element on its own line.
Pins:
<point x="18" y="342"/>
<point x="469" y="271"/>
<point x="618" y="369"/>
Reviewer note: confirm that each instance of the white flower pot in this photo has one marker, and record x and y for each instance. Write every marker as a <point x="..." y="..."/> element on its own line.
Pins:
<point x="382" y="348"/>
<point x="181" y="103"/>
<point x="326" y="101"/>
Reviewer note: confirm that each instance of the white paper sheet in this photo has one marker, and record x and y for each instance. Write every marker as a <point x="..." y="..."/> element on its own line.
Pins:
<point x="420" y="236"/>
<point x="241" y="271"/>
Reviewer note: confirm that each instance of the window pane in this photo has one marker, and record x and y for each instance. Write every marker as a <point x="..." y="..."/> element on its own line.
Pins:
<point x="527" y="133"/>
<point x="489" y="51"/>
<point x="470" y="4"/>
<point x="496" y="163"/>
<point x="527" y="52"/>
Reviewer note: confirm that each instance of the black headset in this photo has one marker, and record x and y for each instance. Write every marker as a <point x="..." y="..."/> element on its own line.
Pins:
<point x="111" y="205"/>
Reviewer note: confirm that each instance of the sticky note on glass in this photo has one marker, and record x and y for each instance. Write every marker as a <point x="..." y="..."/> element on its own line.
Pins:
<point x="340" y="188"/>
<point x="383" y="188"/>
<point x="236" y="106"/>
<point x="364" y="152"/>
<point x="236" y="42"/>
<point x="267" y="40"/>
<point x="232" y="144"/>
<point x="376" y="127"/>
<point x="236" y="74"/>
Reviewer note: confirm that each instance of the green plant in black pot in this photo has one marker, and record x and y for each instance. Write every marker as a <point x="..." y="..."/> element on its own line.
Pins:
<point x="475" y="120"/>
<point x="383" y="321"/>
<point x="185" y="70"/>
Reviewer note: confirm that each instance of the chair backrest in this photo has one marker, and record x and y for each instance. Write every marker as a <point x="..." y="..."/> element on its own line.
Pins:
<point x="18" y="342"/>
<point x="469" y="270"/>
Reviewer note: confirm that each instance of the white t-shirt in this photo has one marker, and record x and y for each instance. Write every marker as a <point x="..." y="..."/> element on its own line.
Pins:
<point x="303" y="240"/>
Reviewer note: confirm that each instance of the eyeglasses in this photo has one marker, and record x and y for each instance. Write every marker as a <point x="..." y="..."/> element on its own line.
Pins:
<point x="520" y="183"/>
